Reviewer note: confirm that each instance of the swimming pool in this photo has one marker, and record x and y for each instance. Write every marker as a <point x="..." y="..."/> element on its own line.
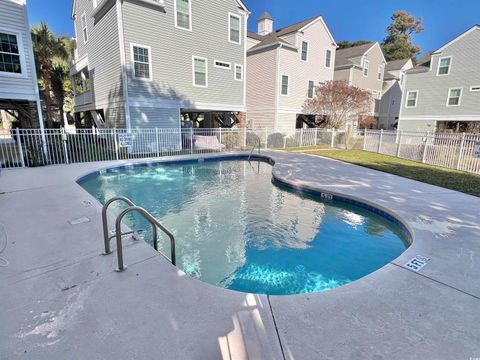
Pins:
<point x="237" y="229"/>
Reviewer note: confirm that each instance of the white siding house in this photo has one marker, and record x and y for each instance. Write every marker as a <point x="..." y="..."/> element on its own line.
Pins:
<point x="444" y="92"/>
<point x="143" y="63"/>
<point x="19" y="94"/>
<point x="364" y="67"/>
<point x="283" y="67"/>
<point x="394" y="80"/>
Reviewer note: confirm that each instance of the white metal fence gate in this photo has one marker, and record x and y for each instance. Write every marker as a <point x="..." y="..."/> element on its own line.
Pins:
<point x="30" y="148"/>
<point x="454" y="151"/>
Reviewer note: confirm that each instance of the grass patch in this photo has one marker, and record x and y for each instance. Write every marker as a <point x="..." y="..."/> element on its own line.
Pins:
<point x="434" y="175"/>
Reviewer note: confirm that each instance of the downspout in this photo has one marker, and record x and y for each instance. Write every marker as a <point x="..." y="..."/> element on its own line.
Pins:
<point x="123" y="63"/>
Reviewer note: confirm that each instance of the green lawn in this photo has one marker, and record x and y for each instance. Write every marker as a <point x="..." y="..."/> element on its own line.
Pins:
<point x="447" y="178"/>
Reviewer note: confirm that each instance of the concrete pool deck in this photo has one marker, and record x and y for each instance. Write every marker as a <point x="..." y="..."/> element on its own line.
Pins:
<point x="60" y="299"/>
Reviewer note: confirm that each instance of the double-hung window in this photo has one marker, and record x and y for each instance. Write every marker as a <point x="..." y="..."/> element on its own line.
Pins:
<point x="328" y="58"/>
<point x="84" y="28"/>
<point x="142" y="64"/>
<point x="183" y="14"/>
<point x="284" y="90"/>
<point x="454" y="97"/>
<point x="304" y="51"/>
<point x="311" y="89"/>
<point x="234" y="32"/>
<point x="238" y="72"/>
<point x="10" y="61"/>
<point x="366" y="64"/>
<point x="200" y="73"/>
<point x="444" y="66"/>
<point x="380" y="73"/>
<point x="412" y="97"/>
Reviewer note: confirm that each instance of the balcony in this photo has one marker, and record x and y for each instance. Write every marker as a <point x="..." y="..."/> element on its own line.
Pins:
<point x="83" y="99"/>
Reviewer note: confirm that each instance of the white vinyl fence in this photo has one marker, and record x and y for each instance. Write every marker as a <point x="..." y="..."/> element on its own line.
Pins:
<point x="454" y="151"/>
<point x="30" y="148"/>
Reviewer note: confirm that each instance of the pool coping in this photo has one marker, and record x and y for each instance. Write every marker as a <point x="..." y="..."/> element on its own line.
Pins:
<point x="292" y="315"/>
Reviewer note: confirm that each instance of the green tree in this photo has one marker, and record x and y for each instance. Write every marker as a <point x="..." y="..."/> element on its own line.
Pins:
<point x="398" y="43"/>
<point x="49" y="53"/>
<point x="347" y="44"/>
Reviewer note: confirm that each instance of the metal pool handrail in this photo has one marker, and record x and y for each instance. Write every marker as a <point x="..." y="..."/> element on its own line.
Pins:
<point x="106" y="238"/>
<point x="155" y="224"/>
<point x="259" y="146"/>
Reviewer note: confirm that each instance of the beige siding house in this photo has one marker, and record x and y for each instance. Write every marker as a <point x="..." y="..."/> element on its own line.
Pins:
<point x="444" y="92"/>
<point x="363" y="66"/>
<point x="19" y="95"/>
<point x="151" y="63"/>
<point x="283" y="67"/>
<point x="394" y="79"/>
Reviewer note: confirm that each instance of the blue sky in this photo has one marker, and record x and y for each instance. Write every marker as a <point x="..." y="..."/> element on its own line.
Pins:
<point x="347" y="19"/>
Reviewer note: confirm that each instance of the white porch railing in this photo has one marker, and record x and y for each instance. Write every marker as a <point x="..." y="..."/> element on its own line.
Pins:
<point x="28" y="148"/>
<point x="454" y="151"/>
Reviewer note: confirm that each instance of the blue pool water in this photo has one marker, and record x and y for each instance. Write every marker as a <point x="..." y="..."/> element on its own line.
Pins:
<point x="236" y="229"/>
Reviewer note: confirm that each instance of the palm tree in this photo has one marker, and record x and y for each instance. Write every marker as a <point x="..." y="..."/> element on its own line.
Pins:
<point x="49" y="53"/>
<point x="61" y="81"/>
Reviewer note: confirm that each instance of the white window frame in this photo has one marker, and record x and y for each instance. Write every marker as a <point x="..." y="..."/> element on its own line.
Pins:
<point x="230" y="28"/>
<point x="189" y="18"/>
<point x="193" y="71"/>
<point x="330" y="60"/>
<point x="449" y="65"/>
<point x="21" y="53"/>
<point x="459" y="98"/>
<point x="313" y="89"/>
<point x="235" y="72"/>
<point x="301" y="50"/>
<point x="222" y="67"/>
<point x="95" y="4"/>
<point x="366" y="66"/>
<point x="132" y="45"/>
<point x="84" y="28"/>
<point x="380" y="72"/>
<point x="416" y="99"/>
<point x="475" y="88"/>
<point x="281" y="85"/>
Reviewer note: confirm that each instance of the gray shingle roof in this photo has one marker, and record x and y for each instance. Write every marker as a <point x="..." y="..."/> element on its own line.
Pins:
<point x="396" y="65"/>
<point x="342" y="57"/>
<point x="275" y="37"/>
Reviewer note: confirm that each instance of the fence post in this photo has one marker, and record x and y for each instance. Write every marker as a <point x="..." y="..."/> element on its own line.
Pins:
<point x="301" y="137"/>
<point x="316" y="136"/>
<point x="157" y="140"/>
<point x="379" y="150"/>
<point x="220" y="140"/>
<point x="462" y="146"/>
<point x="64" y="141"/>
<point x="425" y="147"/>
<point x="399" y="142"/>
<point x="245" y="137"/>
<point x="284" y="141"/>
<point x="365" y="140"/>
<point x="116" y="142"/>
<point x="191" y="140"/>
<point x="266" y="139"/>
<point x="19" y="144"/>
<point x="332" y="144"/>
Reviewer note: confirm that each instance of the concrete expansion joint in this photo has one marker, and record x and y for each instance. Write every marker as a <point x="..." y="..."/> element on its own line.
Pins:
<point x="276" y="327"/>
<point x="436" y="281"/>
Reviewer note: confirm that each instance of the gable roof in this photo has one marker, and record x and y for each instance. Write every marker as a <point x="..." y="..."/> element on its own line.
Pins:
<point x="396" y="64"/>
<point x="473" y="28"/>
<point x="268" y="40"/>
<point x="276" y="36"/>
<point x="343" y="56"/>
